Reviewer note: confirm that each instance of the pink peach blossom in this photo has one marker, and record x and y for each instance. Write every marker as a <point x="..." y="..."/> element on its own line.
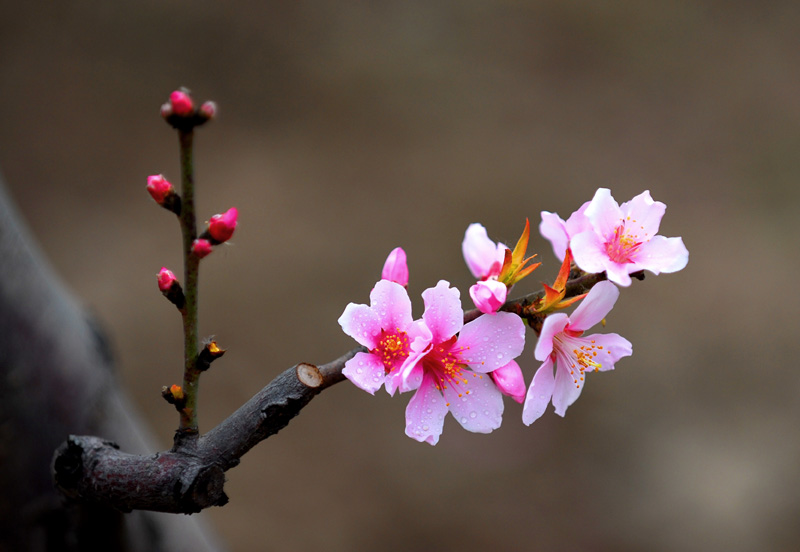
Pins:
<point x="395" y="269"/>
<point x="562" y="346"/>
<point x="622" y="239"/>
<point x="448" y="371"/>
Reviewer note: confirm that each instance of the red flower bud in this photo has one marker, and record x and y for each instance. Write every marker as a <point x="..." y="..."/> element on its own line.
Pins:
<point x="201" y="248"/>
<point x="221" y="227"/>
<point x="165" y="279"/>
<point x="208" y="110"/>
<point x="159" y="188"/>
<point x="181" y="103"/>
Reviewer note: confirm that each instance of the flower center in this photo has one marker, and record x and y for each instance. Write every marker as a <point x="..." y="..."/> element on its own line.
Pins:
<point x="392" y="349"/>
<point x="582" y="356"/>
<point x="447" y="366"/>
<point x="625" y="242"/>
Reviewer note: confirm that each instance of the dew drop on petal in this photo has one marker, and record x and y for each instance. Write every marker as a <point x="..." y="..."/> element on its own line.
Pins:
<point x="463" y="420"/>
<point x="425" y="428"/>
<point x="473" y="414"/>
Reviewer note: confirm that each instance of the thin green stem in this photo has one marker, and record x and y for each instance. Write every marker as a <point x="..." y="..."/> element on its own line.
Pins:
<point x="188" y="422"/>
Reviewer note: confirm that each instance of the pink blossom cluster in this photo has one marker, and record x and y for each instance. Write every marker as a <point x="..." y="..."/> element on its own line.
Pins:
<point x="464" y="369"/>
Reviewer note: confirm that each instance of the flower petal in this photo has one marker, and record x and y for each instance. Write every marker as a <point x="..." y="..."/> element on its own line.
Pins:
<point x="395" y="269"/>
<point x="643" y="215"/>
<point x="662" y="254"/>
<point x="366" y="371"/>
<point x="443" y="314"/>
<point x="425" y="413"/>
<point x="362" y="324"/>
<point x="553" y="324"/>
<point x="491" y="341"/>
<point x="479" y="410"/>
<point x="480" y="253"/>
<point x="554" y="229"/>
<point x="566" y="390"/>
<point x="539" y="393"/>
<point x="604" y="213"/>
<point x="509" y="381"/>
<point x="391" y="303"/>
<point x="614" y="346"/>
<point x="595" y="306"/>
<point x="589" y="253"/>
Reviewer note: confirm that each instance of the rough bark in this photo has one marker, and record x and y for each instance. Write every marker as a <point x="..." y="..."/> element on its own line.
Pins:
<point x="57" y="379"/>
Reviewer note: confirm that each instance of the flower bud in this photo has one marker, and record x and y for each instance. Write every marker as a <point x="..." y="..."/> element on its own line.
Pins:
<point x="181" y="103"/>
<point x="488" y="295"/>
<point x="201" y="247"/>
<point x="509" y="381"/>
<point x="174" y="395"/>
<point x="159" y="188"/>
<point x="208" y="110"/>
<point x="396" y="268"/>
<point x="208" y="354"/>
<point x="221" y="227"/>
<point x="166" y="279"/>
<point x="170" y="287"/>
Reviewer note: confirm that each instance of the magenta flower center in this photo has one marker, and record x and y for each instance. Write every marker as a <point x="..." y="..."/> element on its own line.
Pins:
<point x="392" y="349"/>
<point x="625" y="242"/>
<point x="582" y="355"/>
<point x="448" y="367"/>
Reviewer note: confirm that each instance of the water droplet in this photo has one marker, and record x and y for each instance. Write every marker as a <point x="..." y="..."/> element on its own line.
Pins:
<point x="359" y="370"/>
<point x="430" y="411"/>
<point x="473" y="414"/>
<point x="499" y="355"/>
<point x="425" y="428"/>
<point x="463" y="420"/>
<point x="542" y="397"/>
<point x="485" y="412"/>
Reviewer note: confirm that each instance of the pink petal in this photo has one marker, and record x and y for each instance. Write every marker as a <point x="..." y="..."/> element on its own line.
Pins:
<point x="594" y="307"/>
<point x="554" y="229"/>
<point x="643" y="215"/>
<point x="620" y="273"/>
<point x="395" y="269"/>
<point x="662" y="254"/>
<point x="362" y="324"/>
<point x="589" y="252"/>
<point x="425" y="413"/>
<point x="490" y="342"/>
<point x="566" y="391"/>
<point x="553" y="324"/>
<point x="604" y="213"/>
<point x="480" y="253"/>
<point x="366" y="371"/>
<point x="391" y="303"/>
<point x="614" y="347"/>
<point x="480" y="410"/>
<point x="539" y="393"/>
<point x="509" y="381"/>
<point x="443" y="314"/>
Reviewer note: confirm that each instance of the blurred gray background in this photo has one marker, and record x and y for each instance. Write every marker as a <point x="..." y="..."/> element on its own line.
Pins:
<point x="349" y="128"/>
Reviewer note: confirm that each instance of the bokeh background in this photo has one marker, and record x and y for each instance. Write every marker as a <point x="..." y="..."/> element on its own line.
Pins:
<point x="349" y="128"/>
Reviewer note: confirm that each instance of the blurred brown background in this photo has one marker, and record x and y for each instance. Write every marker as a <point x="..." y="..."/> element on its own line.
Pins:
<point x="348" y="128"/>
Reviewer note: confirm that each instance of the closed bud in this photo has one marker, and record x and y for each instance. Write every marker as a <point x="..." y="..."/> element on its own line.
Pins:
<point x="174" y="395"/>
<point x="201" y="247"/>
<point x="208" y="110"/>
<point x="181" y="103"/>
<point x="221" y="227"/>
<point x="209" y="354"/>
<point x="170" y="287"/>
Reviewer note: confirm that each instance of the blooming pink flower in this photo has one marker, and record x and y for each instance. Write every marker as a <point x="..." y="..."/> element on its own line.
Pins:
<point x="562" y="345"/>
<point x="201" y="247"/>
<point x="396" y="267"/>
<point x="159" y="188"/>
<point x="181" y="103"/>
<point x="509" y="381"/>
<point x="623" y="239"/>
<point x="385" y="327"/>
<point x="560" y="232"/>
<point x="221" y="227"/>
<point x="484" y="257"/>
<point x="448" y="369"/>
<point x="165" y="279"/>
